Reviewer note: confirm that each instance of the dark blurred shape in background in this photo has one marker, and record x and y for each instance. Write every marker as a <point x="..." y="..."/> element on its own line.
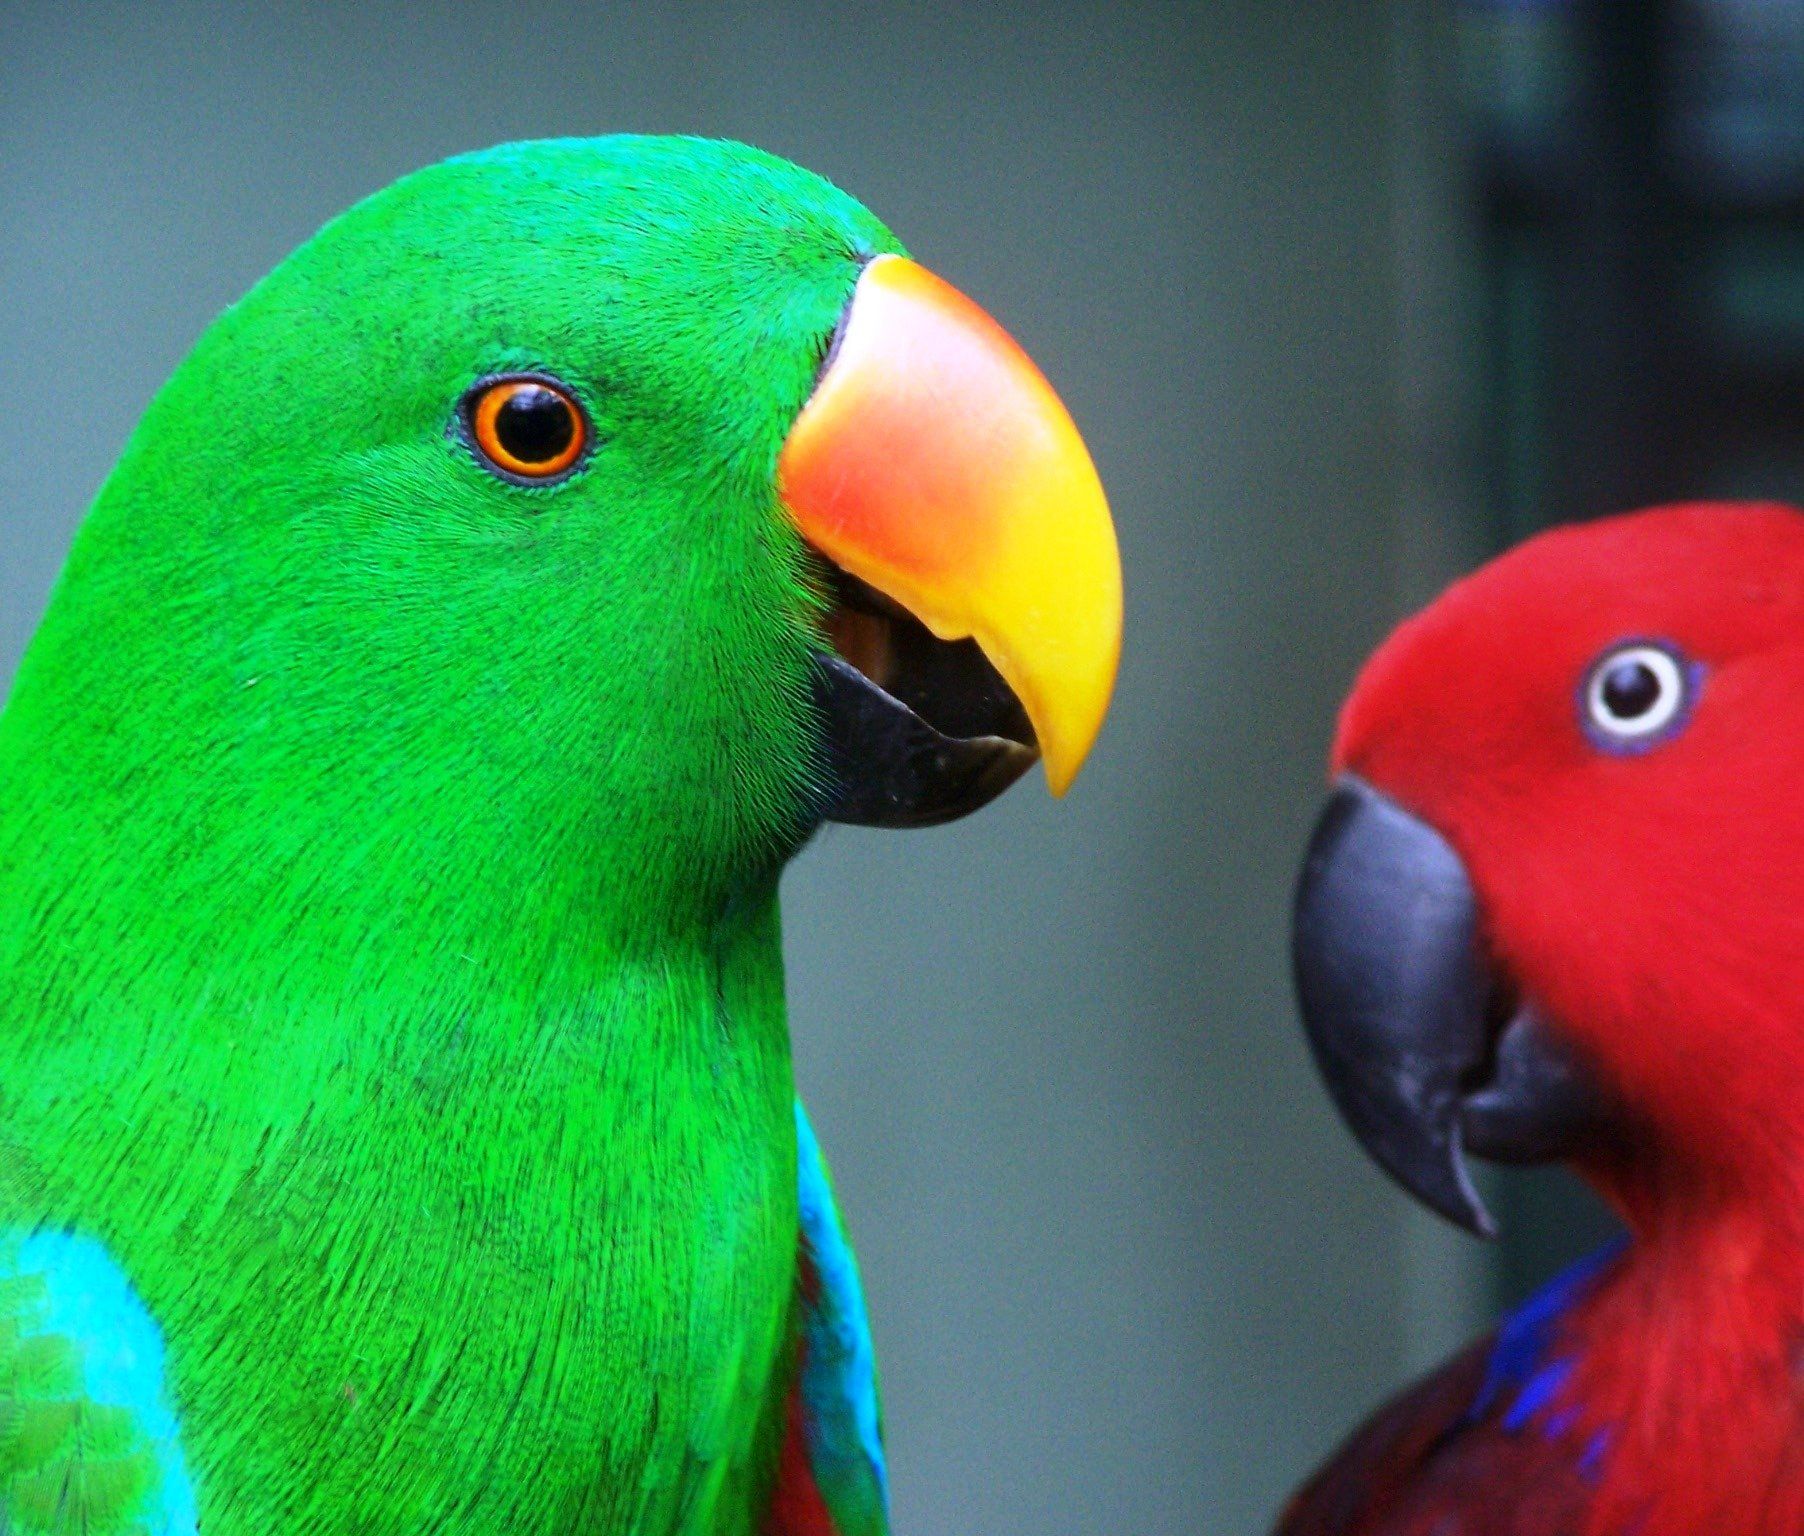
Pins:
<point x="1640" y="204"/>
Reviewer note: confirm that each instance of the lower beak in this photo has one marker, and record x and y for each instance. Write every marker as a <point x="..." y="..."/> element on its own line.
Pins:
<point x="1427" y="1050"/>
<point x="888" y="767"/>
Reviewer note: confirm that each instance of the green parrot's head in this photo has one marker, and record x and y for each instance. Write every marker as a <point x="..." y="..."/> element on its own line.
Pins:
<point x="604" y="512"/>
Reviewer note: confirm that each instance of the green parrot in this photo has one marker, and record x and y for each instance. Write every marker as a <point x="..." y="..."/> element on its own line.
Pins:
<point x="397" y="1128"/>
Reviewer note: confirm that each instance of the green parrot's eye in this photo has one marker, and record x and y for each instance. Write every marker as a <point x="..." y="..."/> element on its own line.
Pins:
<point x="527" y="428"/>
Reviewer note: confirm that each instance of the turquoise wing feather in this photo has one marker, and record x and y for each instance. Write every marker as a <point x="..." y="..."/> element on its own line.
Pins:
<point x="832" y="1479"/>
<point x="88" y="1442"/>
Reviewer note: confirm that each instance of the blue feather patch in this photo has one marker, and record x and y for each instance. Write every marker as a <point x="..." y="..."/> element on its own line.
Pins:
<point x="843" y="1423"/>
<point x="1523" y="1378"/>
<point x="89" y="1301"/>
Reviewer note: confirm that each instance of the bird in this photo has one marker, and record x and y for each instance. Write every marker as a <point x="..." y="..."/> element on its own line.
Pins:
<point x="1552" y="912"/>
<point x="398" y="1130"/>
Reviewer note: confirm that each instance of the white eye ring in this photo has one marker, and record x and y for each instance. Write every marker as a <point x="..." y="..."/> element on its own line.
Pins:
<point x="1634" y="694"/>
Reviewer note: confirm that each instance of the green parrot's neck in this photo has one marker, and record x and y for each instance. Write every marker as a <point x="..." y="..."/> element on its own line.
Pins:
<point x="309" y="930"/>
<point x="290" y="1087"/>
<point x="296" y="1036"/>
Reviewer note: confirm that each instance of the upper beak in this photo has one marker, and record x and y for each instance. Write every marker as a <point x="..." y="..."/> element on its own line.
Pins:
<point x="935" y="467"/>
<point x="1425" y="1047"/>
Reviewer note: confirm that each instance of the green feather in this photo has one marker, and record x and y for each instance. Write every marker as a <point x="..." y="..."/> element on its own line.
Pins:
<point x="389" y="954"/>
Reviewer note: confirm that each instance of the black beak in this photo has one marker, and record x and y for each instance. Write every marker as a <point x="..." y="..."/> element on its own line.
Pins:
<point x="915" y="730"/>
<point x="1425" y="1048"/>
<point x="887" y="767"/>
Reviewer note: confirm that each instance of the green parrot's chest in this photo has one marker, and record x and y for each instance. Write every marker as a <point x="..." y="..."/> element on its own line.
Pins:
<point x="534" y="1290"/>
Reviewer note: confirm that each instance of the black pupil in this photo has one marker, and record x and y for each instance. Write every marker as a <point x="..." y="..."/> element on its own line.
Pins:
<point x="1630" y="689"/>
<point x="534" y="425"/>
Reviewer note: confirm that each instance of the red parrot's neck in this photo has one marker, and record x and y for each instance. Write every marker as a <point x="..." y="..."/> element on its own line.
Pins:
<point x="1687" y="1357"/>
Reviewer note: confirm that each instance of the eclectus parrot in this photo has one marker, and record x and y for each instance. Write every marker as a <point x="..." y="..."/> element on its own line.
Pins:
<point x="1555" y="910"/>
<point x="397" y="1130"/>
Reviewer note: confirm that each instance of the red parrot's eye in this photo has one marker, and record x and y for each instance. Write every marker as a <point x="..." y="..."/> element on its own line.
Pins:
<point x="527" y="428"/>
<point x="1637" y="695"/>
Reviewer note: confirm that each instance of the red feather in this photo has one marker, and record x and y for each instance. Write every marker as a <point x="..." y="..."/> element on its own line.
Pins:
<point x="796" y="1506"/>
<point x="1421" y="1468"/>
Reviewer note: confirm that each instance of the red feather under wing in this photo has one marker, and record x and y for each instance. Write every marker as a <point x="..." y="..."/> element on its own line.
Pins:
<point x="796" y="1505"/>
<point x="1425" y="1466"/>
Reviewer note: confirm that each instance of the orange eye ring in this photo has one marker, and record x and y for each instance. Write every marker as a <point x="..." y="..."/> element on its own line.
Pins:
<point x="525" y="427"/>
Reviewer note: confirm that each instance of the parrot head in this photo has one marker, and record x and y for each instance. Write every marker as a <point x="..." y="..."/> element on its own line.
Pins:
<point x="1552" y="908"/>
<point x="630" y="502"/>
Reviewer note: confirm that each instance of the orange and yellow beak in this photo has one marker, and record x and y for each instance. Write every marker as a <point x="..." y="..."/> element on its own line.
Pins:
<point x="936" y="465"/>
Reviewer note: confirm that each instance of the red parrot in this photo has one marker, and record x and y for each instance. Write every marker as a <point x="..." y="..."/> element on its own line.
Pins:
<point x="1555" y="910"/>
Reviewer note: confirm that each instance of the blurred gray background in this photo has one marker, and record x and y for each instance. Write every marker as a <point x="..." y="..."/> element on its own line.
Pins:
<point x="1343" y="297"/>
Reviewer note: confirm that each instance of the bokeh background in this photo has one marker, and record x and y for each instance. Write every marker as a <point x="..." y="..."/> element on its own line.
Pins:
<point x="1344" y="296"/>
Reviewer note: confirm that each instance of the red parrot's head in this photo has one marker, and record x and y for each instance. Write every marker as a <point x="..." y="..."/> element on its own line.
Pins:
<point x="1556" y="905"/>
